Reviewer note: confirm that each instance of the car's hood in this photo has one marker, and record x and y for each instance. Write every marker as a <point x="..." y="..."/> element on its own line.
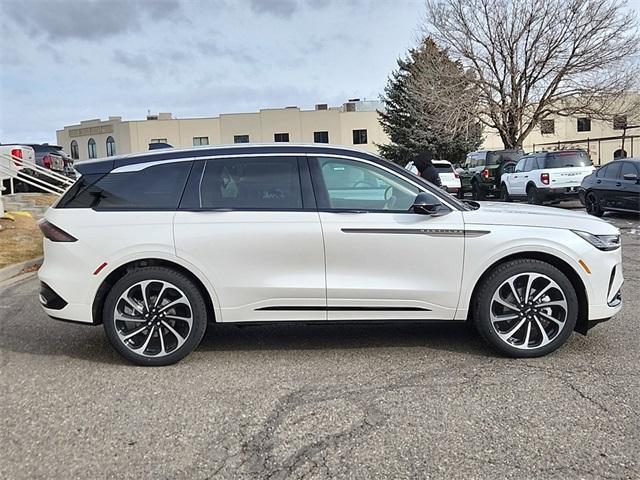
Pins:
<point x="499" y="213"/>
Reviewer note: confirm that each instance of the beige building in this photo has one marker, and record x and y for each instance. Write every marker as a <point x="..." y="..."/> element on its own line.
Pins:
<point x="353" y="123"/>
<point x="603" y="140"/>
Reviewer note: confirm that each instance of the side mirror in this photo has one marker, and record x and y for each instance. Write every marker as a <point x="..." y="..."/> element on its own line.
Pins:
<point x="631" y="177"/>
<point x="424" y="204"/>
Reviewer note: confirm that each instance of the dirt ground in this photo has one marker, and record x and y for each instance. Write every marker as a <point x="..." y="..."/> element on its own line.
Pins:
<point x="20" y="240"/>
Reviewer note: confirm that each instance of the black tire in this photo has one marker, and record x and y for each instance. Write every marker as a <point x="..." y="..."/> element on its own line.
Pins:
<point x="477" y="192"/>
<point x="533" y="197"/>
<point x="161" y="274"/>
<point x="496" y="278"/>
<point x="504" y="193"/>
<point x="592" y="204"/>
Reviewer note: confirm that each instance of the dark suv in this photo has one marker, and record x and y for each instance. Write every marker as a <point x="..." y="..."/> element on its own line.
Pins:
<point x="482" y="170"/>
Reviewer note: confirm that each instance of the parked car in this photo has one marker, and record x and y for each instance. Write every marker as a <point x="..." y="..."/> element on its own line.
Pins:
<point x="615" y="187"/>
<point x="448" y="176"/>
<point x="482" y="171"/>
<point x="547" y="176"/>
<point x="12" y="158"/>
<point x="164" y="242"/>
<point x="53" y="158"/>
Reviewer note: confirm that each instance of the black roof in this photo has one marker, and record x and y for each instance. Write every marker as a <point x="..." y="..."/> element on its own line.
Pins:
<point x="105" y="165"/>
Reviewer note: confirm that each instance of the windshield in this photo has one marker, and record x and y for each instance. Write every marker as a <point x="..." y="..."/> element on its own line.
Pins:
<point x="496" y="158"/>
<point x="568" y="159"/>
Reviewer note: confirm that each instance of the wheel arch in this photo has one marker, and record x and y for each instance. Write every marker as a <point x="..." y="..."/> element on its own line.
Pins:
<point x="530" y="184"/>
<point x="573" y="276"/>
<point x="118" y="273"/>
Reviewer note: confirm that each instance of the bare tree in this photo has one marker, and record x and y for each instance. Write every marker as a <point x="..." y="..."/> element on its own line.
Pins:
<point x="534" y="58"/>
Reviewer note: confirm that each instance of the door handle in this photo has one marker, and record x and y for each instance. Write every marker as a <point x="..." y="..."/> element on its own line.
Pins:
<point x="599" y="181"/>
<point x="618" y="184"/>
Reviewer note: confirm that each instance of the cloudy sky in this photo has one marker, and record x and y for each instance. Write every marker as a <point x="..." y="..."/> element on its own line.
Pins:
<point x="62" y="61"/>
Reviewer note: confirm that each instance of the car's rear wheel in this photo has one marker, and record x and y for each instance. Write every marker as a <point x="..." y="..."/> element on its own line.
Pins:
<point x="533" y="197"/>
<point x="476" y="191"/>
<point x="592" y="203"/>
<point x="526" y="308"/>
<point x="154" y="316"/>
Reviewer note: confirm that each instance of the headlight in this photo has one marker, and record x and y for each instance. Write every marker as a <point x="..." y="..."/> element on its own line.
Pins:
<point x="601" y="242"/>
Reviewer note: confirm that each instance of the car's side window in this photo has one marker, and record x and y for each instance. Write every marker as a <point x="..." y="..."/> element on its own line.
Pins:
<point x="343" y="184"/>
<point x="527" y="164"/>
<point x="520" y="166"/>
<point x="602" y="172"/>
<point x="158" y="187"/>
<point x="612" y="171"/>
<point x="252" y="183"/>
<point x="628" y="169"/>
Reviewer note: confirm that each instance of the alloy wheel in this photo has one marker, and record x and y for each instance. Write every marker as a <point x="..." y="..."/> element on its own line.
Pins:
<point x="153" y="318"/>
<point x="528" y="310"/>
<point x="592" y="204"/>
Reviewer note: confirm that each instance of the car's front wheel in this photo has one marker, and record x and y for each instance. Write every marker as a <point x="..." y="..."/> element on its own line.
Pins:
<point x="592" y="204"/>
<point x="504" y="193"/>
<point x="526" y="308"/>
<point x="154" y="316"/>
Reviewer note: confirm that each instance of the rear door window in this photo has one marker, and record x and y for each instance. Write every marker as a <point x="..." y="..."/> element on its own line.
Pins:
<point x="259" y="183"/>
<point x="628" y="169"/>
<point x="158" y="187"/>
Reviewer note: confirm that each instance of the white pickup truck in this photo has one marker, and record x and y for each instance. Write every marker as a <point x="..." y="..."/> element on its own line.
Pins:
<point x="547" y="176"/>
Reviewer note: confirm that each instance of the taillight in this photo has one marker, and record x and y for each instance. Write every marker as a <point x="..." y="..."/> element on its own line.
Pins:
<point x="53" y="233"/>
<point x="485" y="173"/>
<point x="544" y="178"/>
<point x="46" y="161"/>
<point x="16" y="152"/>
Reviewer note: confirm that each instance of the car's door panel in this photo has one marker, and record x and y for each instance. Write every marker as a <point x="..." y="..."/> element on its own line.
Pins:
<point x="393" y="265"/>
<point x="256" y="242"/>
<point x="388" y="262"/>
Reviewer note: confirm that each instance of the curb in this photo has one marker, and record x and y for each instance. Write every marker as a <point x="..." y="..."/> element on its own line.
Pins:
<point x="13" y="270"/>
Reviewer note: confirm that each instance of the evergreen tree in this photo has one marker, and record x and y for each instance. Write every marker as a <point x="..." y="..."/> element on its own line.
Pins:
<point x="430" y="104"/>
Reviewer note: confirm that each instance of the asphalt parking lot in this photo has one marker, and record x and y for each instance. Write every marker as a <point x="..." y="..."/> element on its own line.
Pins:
<point x="384" y="401"/>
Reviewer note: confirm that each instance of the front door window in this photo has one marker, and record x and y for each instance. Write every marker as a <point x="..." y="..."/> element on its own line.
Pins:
<point x="353" y="185"/>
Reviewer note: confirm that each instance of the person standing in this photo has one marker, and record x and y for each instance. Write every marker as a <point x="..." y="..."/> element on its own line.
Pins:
<point x="426" y="170"/>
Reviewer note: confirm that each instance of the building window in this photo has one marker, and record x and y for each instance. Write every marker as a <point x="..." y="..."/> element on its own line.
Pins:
<point x="111" y="146"/>
<point x="200" y="141"/>
<point x="619" y="122"/>
<point x="359" y="137"/>
<point x="321" y="137"/>
<point x="91" y="146"/>
<point x="158" y="140"/>
<point x="547" y="126"/>
<point x="280" y="137"/>
<point x="241" y="139"/>
<point x="75" y="153"/>
<point x="584" y="124"/>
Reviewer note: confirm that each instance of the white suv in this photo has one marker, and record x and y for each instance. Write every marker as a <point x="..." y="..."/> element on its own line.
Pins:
<point x="155" y="246"/>
<point x="547" y="176"/>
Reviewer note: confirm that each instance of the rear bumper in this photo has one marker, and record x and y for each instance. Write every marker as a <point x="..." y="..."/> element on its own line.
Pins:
<point x="563" y="193"/>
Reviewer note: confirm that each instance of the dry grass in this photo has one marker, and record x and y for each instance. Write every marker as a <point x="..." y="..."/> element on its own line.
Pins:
<point x="20" y="240"/>
<point x="44" y="200"/>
